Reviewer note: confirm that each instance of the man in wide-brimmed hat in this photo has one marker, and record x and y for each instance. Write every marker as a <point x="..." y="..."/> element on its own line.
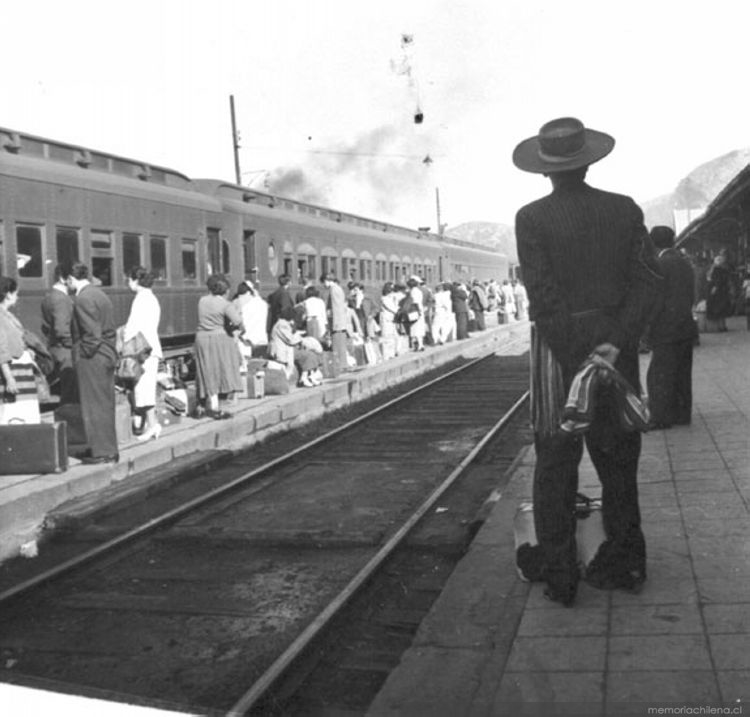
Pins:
<point x="589" y="277"/>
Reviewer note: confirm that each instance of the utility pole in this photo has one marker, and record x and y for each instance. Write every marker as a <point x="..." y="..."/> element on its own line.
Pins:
<point x="437" y="206"/>
<point x="235" y="143"/>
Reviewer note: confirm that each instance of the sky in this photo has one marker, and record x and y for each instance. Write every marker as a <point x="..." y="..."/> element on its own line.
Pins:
<point x="326" y="92"/>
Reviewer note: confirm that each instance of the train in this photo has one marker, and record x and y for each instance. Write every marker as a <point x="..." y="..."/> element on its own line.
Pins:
<point x="61" y="203"/>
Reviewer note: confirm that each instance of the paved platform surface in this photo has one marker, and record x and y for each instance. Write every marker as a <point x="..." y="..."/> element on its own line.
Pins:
<point x="492" y="645"/>
<point x="26" y="501"/>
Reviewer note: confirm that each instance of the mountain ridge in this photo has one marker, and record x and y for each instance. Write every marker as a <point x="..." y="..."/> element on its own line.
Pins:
<point x="695" y="191"/>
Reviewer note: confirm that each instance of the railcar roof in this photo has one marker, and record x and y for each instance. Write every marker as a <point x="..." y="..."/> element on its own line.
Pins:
<point x="76" y="156"/>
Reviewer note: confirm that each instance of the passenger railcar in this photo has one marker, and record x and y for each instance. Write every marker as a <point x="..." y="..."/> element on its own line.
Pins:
<point x="61" y="203"/>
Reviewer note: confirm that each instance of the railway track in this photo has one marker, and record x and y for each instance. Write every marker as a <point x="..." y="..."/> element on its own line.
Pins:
<point x="223" y="604"/>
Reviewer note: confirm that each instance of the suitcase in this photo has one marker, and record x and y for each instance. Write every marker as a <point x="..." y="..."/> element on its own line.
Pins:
<point x="32" y="448"/>
<point x="327" y="365"/>
<point x="589" y="536"/>
<point x="275" y="381"/>
<point x="256" y="384"/>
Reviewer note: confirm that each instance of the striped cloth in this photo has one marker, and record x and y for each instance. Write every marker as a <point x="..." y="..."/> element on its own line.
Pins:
<point x="580" y="405"/>
<point x="24" y="408"/>
<point x="547" y="391"/>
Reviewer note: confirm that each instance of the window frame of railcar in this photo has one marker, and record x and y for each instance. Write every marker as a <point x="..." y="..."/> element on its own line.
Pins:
<point x="348" y="265"/>
<point x="287" y="261"/>
<point x="41" y="230"/>
<point x="249" y="256"/>
<point x="218" y="259"/>
<point x="393" y="263"/>
<point x="406" y="271"/>
<point x="159" y="265"/>
<point x="131" y="240"/>
<point x="226" y="257"/>
<point x="365" y="267"/>
<point x="306" y="264"/>
<point x="102" y="255"/>
<point x="67" y="235"/>
<point x="328" y="262"/>
<point x="189" y="247"/>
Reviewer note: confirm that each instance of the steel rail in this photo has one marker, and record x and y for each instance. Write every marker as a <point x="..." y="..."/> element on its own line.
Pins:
<point x="178" y="512"/>
<point x="276" y="670"/>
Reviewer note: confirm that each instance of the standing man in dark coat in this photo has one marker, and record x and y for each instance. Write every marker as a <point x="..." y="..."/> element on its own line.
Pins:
<point x="57" y="327"/>
<point x="95" y="358"/>
<point x="278" y="300"/>
<point x="478" y="303"/>
<point x="589" y="279"/>
<point x="460" y="305"/>
<point x="671" y="335"/>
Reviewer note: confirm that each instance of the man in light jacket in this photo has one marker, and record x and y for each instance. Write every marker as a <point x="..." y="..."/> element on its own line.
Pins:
<point x="337" y="321"/>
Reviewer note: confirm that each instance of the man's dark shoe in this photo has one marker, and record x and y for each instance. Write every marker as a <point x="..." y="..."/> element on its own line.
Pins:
<point x="92" y="460"/>
<point x="561" y="589"/>
<point x="628" y="580"/>
<point x="564" y="594"/>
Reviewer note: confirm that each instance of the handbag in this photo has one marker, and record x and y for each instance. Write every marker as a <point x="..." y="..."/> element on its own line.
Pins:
<point x="131" y="355"/>
<point x="138" y="347"/>
<point x="128" y="370"/>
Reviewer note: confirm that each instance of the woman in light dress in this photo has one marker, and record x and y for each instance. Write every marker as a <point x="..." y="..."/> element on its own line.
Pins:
<point x="217" y="360"/>
<point x="144" y="317"/>
<point x="415" y="314"/>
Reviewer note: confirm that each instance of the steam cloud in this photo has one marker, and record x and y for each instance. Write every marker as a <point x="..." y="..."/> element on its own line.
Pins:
<point x="381" y="174"/>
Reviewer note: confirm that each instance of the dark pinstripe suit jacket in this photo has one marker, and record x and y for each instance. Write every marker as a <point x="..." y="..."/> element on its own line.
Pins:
<point x="583" y="249"/>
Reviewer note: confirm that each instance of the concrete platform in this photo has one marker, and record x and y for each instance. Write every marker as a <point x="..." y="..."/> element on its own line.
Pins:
<point x="492" y="645"/>
<point x="27" y="500"/>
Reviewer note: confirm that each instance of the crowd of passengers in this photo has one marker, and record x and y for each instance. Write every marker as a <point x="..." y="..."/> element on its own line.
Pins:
<point x="295" y="328"/>
<point x="82" y="355"/>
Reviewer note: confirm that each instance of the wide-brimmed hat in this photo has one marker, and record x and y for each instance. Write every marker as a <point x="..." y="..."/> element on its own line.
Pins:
<point x="561" y="145"/>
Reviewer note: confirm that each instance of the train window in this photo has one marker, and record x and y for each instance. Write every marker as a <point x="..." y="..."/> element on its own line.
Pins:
<point x="29" y="258"/>
<point x="287" y="265"/>
<point x="225" y="257"/>
<point x="214" y="251"/>
<point x="189" y="260"/>
<point x="365" y="270"/>
<point x="158" y="256"/>
<point x="311" y="273"/>
<point x="301" y="270"/>
<point x="67" y="245"/>
<point x="131" y="251"/>
<point x="248" y="252"/>
<point x="328" y="265"/>
<point x="102" y="255"/>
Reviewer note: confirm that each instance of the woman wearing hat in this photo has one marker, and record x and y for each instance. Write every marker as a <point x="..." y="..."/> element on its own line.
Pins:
<point x="590" y="280"/>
